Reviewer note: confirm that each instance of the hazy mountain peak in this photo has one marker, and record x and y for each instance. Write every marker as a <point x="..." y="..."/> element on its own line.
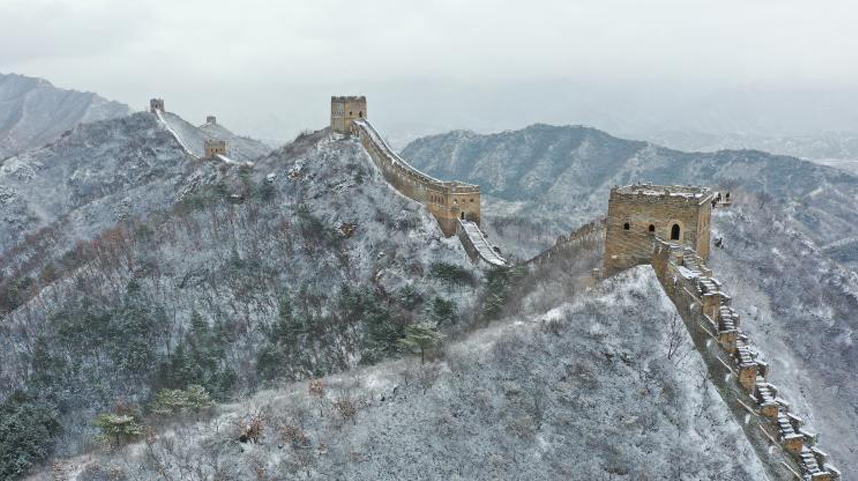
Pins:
<point x="33" y="112"/>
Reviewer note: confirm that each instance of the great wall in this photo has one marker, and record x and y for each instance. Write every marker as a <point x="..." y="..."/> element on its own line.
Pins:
<point x="212" y="149"/>
<point x="640" y="218"/>
<point x="666" y="227"/>
<point x="455" y="205"/>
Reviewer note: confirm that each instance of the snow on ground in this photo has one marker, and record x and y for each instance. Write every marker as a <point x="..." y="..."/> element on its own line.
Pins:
<point x="584" y="391"/>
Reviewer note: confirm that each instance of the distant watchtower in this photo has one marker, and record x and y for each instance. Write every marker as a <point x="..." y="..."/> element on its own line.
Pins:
<point x="211" y="119"/>
<point x="637" y="213"/>
<point x="156" y="105"/>
<point x="213" y="148"/>
<point x="344" y="110"/>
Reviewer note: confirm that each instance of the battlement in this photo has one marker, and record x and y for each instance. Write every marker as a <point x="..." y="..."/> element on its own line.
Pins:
<point x="156" y="105"/>
<point x="706" y="310"/>
<point x="678" y="194"/>
<point x="348" y="98"/>
<point x="213" y="148"/>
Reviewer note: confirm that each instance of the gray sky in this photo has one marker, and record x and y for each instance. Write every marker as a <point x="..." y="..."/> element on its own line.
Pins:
<point x="267" y="68"/>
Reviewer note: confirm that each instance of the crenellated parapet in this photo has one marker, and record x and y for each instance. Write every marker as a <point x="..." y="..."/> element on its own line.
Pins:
<point x="590" y="231"/>
<point x="706" y="309"/>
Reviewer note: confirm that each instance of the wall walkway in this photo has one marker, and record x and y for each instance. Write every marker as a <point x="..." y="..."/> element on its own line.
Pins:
<point x="478" y="246"/>
<point x="782" y="441"/>
<point x="448" y="202"/>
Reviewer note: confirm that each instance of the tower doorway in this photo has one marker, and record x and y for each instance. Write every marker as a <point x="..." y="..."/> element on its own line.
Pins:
<point x="675" y="232"/>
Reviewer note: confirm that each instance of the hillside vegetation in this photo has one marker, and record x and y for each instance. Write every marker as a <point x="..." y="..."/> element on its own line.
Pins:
<point x="306" y="265"/>
<point x="577" y="392"/>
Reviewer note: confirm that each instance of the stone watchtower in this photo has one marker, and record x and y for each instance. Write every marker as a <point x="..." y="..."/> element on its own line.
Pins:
<point x="344" y="110"/>
<point x="638" y="213"/>
<point x="156" y="105"/>
<point x="211" y="119"/>
<point x="213" y="148"/>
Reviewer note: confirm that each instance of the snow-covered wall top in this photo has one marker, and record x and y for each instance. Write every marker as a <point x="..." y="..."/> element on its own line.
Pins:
<point x="778" y="435"/>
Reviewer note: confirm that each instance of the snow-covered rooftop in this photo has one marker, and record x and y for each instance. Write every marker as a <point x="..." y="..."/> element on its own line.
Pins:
<point x="689" y="191"/>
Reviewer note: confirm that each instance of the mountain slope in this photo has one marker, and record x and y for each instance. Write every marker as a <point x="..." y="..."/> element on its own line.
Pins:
<point x="101" y="173"/>
<point x="33" y="112"/>
<point x="93" y="177"/>
<point x="799" y="307"/>
<point x="306" y="264"/>
<point x="574" y="393"/>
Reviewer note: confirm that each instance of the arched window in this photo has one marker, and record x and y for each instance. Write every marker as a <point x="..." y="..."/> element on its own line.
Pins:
<point x="360" y="114"/>
<point x="626" y="226"/>
<point x="651" y="228"/>
<point x="674" y="232"/>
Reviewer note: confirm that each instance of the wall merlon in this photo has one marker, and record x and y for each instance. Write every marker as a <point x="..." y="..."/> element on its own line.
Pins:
<point x="689" y="283"/>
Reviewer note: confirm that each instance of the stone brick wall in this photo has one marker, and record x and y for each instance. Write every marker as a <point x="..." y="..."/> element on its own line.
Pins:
<point x="782" y="442"/>
<point x="448" y="202"/>
<point x="587" y="232"/>
<point x="639" y="213"/>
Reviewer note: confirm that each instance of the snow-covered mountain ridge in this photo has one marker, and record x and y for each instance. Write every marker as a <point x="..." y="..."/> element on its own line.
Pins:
<point x="33" y="112"/>
<point x="507" y="402"/>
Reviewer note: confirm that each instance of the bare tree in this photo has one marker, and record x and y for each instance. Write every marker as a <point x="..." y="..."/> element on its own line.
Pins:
<point x="675" y="338"/>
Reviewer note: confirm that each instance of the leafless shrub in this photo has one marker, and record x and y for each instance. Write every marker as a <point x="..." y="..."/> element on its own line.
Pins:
<point x="252" y="429"/>
<point x="346" y="406"/>
<point x="317" y="391"/>
<point x="675" y="340"/>
<point x="294" y="435"/>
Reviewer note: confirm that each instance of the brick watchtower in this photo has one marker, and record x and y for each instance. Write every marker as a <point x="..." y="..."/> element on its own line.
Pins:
<point x="344" y="110"/>
<point x="638" y="213"/>
<point x="156" y="105"/>
<point x="213" y="148"/>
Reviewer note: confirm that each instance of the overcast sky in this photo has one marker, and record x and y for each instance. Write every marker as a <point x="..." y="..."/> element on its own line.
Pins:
<point x="267" y="68"/>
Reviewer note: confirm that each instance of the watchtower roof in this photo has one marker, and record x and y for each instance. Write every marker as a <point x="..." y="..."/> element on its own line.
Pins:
<point x="686" y="191"/>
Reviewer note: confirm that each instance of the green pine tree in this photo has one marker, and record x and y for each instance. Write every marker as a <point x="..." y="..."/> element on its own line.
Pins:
<point x="421" y="337"/>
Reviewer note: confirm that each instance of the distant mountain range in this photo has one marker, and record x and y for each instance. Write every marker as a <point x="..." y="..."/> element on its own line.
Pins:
<point x="33" y="112"/>
<point x="823" y="147"/>
<point x="544" y="180"/>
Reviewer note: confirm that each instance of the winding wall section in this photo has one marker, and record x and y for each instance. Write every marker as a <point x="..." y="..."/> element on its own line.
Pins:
<point x="449" y="202"/>
<point x="780" y="438"/>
